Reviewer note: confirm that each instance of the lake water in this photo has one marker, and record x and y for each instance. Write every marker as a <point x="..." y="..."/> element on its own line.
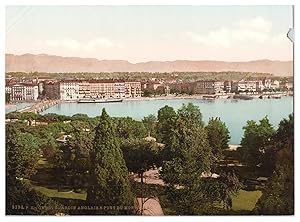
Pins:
<point x="17" y="107"/>
<point x="234" y="113"/>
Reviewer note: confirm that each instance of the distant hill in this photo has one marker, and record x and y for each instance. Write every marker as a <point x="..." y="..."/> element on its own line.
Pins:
<point x="53" y="64"/>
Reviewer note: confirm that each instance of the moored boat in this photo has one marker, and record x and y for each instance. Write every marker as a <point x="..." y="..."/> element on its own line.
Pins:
<point x="99" y="100"/>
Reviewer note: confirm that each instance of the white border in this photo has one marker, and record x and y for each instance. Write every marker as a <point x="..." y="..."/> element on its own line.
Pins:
<point x="144" y="2"/>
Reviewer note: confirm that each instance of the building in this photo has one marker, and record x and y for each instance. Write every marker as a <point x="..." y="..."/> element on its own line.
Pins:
<point x="209" y="87"/>
<point x="52" y="90"/>
<point x="287" y="85"/>
<point x="69" y="90"/>
<point x="276" y="85"/>
<point x="244" y="86"/>
<point x="99" y="89"/>
<point x="259" y="86"/>
<point x="182" y="87"/>
<point x="22" y="91"/>
<point x="133" y="89"/>
<point x="271" y="85"/>
<point x="152" y="84"/>
<point x="227" y="86"/>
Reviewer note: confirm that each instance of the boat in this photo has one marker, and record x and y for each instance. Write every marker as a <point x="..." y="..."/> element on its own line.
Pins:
<point x="244" y="97"/>
<point x="209" y="97"/>
<point x="99" y="100"/>
<point x="276" y="97"/>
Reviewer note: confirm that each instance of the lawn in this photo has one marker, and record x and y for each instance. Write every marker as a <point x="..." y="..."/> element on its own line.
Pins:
<point x="245" y="200"/>
<point x="45" y="182"/>
<point x="55" y="194"/>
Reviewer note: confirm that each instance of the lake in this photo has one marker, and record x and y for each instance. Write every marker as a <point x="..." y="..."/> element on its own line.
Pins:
<point x="17" y="106"/>
<point x="234" y="113"/>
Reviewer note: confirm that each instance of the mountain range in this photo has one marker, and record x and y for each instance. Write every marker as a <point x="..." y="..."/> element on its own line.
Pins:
<point x="54" y="64"/>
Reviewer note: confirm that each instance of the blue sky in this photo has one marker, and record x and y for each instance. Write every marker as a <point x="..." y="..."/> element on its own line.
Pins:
<point x="144" y="33"/>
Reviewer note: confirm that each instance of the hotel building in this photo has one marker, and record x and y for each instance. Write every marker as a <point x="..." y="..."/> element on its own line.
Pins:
<point x="22" y="91"/>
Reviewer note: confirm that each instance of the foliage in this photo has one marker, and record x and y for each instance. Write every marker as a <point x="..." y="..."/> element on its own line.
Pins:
<point x="23" y="116"/>
<point x="7" y="98"/>
<point x="222" y="189"/>
<point x="140" y="155"/>
<point x="191" y="114"/>
<point x="74" y="158"/>
<point x="278" y="197"/>
<point x="22" y="153"/>
<point x="218" y="136"/>
<point x="166" y="127"/>
<point x="80" y="116"/>
<point x="129" y="128"/>
<point x="150" y="123"/>
<point x="191" y="157"/>
<point x="109" y="183"/>
<point x="224" y="75"/>
<point x="21" y="199"/>
<point x="256" y="141"/>
<point x="53" y="117"/>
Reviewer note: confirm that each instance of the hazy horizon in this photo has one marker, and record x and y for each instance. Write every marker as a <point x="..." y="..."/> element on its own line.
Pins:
<point x="151" y="33"/>
<point x="41" y="54"/>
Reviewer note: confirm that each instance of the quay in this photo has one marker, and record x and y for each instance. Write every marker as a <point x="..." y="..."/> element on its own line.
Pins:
<point x="40" y="106"/>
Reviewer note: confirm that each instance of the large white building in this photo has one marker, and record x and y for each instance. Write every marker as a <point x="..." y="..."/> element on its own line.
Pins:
<point x="22" y="91"/>
<point x="98" y="89"/>
<point x="69" y="90"/>
<point x="244" y="86"/>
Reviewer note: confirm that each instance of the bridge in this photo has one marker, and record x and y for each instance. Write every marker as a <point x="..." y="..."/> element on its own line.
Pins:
<point x="40" y="106"/>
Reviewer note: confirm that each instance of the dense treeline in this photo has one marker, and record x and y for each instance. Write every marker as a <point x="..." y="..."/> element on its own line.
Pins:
<point x="97" y="156"/>
<point x="146" y="75"/>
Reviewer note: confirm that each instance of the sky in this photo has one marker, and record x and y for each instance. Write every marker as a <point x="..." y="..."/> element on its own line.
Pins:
<point x="151" y="33"/>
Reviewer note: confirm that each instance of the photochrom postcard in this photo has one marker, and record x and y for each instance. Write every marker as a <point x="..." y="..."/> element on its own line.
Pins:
<point x="149" y="110"/>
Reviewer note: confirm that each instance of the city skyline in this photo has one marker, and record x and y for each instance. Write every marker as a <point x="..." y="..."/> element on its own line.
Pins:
<point x="151" y="33"/>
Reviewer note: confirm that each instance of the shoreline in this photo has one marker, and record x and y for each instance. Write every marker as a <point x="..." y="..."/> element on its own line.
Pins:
<point x="9" y="106"/>
<point x="176" y="97"/>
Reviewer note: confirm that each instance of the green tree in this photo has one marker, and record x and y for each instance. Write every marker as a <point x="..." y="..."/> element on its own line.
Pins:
<point x="22" y="153"/>
<point x="191" y="157"/>
<point x="21" y="199"/>
<point x="218" y="136"/>
<point x="7" y="98"/>
<point x="283" y="137"/>
<point x="191" y="114"/>
<point x="129" y="128"/>
<point x="74" y="158"/>
<point x="166" y="129"/>
<point x="109" y="183"/>
<point x="221" y="189"/>
<point x="278" y="196"/>
<point x="140" y="155"/>
<point x="256" y="141"/>
<point x="150" y="122"/>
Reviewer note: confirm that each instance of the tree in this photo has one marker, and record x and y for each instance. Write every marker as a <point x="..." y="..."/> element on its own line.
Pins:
<point x="108" y="184"/>
<point x="7" y="98"/>
<point x="191" y="156"/>
<point x="21" y="199"/>
<point x="222" y="188"/>
<point x="166" y="127"/>
<point x="22" y="153"/>
<point x="74" y="158"/>
<point x="256" y="141"/>
<point x="278" y="196"/>
<point x="218" y="136"/>
<point x="282" y="138"/>
<point x="150" y="124"/>
<point x="191" y="114"/>
<point x="140" y="155"/>
<point x="129" y="128"/>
